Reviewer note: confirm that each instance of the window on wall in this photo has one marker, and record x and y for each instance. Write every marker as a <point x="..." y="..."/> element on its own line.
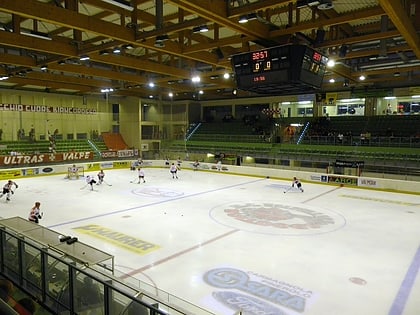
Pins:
<point x="351" y="109"/>
<point x="415" y="108"/>
<point x="408" y="107"/>
<point x="115" y="112"/>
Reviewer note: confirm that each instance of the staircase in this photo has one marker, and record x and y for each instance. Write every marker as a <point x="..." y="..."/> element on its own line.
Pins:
<point x="114" y="141"/>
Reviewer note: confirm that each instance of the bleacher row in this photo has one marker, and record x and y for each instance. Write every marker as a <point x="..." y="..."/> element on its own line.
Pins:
<point x="390" y="125"/>
<point x="231" y="138"/>
<point x="301" y="152"/>
<point x="43" y="146"/>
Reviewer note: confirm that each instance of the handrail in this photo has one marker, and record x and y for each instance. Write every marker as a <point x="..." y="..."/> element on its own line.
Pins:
<point x="94" y="147"/>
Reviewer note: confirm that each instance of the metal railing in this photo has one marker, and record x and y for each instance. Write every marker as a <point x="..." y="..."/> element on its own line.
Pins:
<point x="373" y="141"/>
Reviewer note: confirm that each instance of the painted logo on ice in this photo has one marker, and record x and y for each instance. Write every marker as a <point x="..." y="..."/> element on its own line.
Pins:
<point x="277" y="218"/>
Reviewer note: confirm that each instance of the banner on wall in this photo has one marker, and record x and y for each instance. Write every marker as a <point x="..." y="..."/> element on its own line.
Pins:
<point x="342" y="180"/>
<point x="46" y="109"/>
<point x="119" y="154"/>
<point x="9" y="174"/>
<point x="7" y="160"/>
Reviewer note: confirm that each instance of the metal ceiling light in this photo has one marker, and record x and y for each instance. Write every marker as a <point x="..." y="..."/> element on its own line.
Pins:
<point x="325" y="5"/>
<point x="248" y="17"/>
<point x="120" y="3"/>
<point x="36" y="34"/>
<point x="44" y="68"/>
<point x="160" y="40"/>
<point x="116" y="50"/>
<point x="200" y="29"/>
<point x="6" y="28"/>
<point x="104" y="52"/>
<point x="84" y="58"/>
<point x="243" y="19"/>
<point x="128" y="46"/>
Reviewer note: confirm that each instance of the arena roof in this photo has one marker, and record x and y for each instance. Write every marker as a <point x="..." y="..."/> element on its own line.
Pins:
<point x="71" y="46"/>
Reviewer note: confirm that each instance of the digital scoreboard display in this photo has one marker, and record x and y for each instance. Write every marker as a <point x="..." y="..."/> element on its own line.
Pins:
<point x="280" y="70"/>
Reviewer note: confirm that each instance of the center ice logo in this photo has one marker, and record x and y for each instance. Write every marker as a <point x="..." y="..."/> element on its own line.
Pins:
<point x="275" y="218"/>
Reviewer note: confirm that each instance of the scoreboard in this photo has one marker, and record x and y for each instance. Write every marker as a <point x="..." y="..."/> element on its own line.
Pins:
<point x="283" y="69"/>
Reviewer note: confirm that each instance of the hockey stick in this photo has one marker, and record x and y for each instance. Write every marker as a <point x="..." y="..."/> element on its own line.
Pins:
<point x="134" y="180"/>
<point x="288" y="189"/>
<point x="83" y="187"/>
<point x="107" y="183"/>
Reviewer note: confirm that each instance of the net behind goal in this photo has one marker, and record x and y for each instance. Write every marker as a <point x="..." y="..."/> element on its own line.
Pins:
<point x="75" y="172"/>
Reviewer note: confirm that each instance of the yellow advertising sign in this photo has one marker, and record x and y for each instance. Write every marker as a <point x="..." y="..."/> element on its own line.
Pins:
<point x="119" y="239"/>
<point x="10" y="174"/>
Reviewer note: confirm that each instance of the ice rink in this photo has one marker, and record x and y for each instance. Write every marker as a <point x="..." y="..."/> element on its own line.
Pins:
<point x="228" y="243"/>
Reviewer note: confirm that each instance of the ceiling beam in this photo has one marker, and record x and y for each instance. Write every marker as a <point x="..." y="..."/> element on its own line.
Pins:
<point x="402" y="22"/>
<point x="323" y="22"/>
<point x="359" y="39"/>
<point x="71" y="19"/>
<point x="216" y="11"/>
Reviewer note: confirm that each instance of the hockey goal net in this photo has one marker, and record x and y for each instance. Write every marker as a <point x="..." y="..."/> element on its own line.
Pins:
<point x="74" y="172"/>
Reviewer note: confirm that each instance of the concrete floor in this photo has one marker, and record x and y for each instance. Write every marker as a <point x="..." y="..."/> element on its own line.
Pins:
<point x="227" y="243"/>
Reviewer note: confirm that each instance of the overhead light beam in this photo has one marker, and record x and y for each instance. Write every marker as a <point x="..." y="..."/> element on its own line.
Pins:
<point x="36" y="34"/>
<point x="120" y="3"/>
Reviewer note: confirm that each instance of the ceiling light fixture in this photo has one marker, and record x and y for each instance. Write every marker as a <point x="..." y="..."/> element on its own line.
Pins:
<point x="120" y="3"/>
<point x="195" y="79"/>
<point x="84" y="58"/>
<point x="200" y="29"/>
<point x="107" y="90"/>
<point x="44" y="68"/>
<point x="6" y="28"/>
<point x="116" y="50"/>
<point x="331" y="63"/>
<point x="104" y="52"/>
<point x="36" y="34"/>
<point x="160" y="40"/>
<point x="362" y="78"/>
<point x="128" y="46"/>
<point x="248" y="17"/>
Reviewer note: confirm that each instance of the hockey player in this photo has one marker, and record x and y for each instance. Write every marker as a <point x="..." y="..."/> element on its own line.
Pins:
<point x="141" y="175"/>
<point x="90" y="181"/>
<point x="101" y="176"/>
<point x="296" y="183"/>
<point x="196" y="165"/>
<point x="35" y="214"/>
<point x="219" y="165"/>
<point x="173" y="170"/>
<point x="7" y="189"/>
